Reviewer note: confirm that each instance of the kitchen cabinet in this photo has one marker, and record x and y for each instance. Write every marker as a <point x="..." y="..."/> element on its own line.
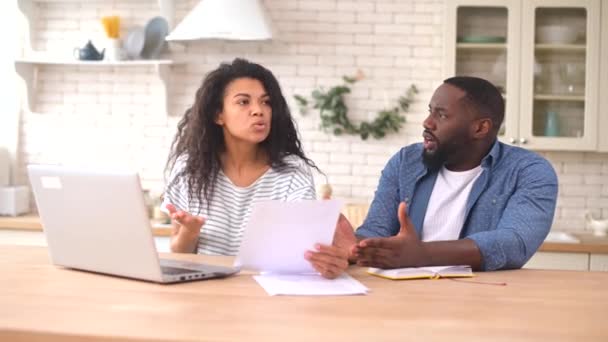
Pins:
<point x="589" y="253"/>
<point x="544" y="57"/>
<point x="559" y="261"/>
<point x="603" y="126"/>
<point x="568" y="261"/>
<point x="31" y="60"/>
<point x="598" y="262"/>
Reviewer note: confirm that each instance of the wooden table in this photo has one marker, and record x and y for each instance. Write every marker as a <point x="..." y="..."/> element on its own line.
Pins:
<point x="39" y="301"/>
<point x="588" y="243"/>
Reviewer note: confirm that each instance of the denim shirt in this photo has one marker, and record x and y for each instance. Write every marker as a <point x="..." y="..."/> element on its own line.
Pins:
<point x="508" y="212"/>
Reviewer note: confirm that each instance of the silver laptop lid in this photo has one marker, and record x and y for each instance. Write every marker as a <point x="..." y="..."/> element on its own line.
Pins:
<point x="95" y="220"/>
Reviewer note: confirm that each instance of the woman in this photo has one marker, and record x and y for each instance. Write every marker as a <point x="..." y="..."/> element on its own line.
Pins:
<point x="236" y="145"/>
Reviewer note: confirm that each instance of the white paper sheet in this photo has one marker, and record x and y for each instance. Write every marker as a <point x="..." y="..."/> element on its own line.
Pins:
<point x="279" y="233"/>
<point x="309" y="285"/>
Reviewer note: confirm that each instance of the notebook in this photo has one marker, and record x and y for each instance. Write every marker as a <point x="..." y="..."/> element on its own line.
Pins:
<point x="97" y="221"/>
<point x="429" y="272"/>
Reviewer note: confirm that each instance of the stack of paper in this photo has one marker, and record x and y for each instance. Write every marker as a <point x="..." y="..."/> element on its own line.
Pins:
<point x="291" y="229"/>
<point x="309" y="285"/>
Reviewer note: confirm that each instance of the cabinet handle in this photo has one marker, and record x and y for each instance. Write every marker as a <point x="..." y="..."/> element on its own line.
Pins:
<point x="512" y="140"/>
<point x="523" y="140"/>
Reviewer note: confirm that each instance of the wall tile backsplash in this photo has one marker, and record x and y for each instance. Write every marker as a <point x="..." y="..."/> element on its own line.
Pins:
<point x="113" y="116"/>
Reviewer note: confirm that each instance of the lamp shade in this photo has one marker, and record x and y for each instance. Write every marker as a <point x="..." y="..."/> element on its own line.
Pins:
<point x="224" y="19"/>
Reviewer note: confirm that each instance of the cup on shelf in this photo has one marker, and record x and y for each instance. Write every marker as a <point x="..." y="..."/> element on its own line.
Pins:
<point x="549" y="80"/>
<point x="551" y="124"/>
<point x="572" y="78"/>
<point x="114" y="50"/>
<point x="539" y="79"/>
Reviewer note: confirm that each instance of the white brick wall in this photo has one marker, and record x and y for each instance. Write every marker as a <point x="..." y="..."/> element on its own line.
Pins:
<point x="583" y="181"/>
<point x="113" y="116"/>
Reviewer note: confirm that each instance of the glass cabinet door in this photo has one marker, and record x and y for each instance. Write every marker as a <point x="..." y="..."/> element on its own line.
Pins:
<point x="560" y="64"/>
<point x="603" y="104"/>
<point x="482" y="39"/>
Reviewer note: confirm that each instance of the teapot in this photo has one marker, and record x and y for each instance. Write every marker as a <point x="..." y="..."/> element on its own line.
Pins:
<point x="88" y="53"/>
<point x="599" y="227"/>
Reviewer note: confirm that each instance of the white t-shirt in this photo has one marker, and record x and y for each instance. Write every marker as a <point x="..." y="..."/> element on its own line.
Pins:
<point x="446" y="210"/>
<point x="230" y="205"/>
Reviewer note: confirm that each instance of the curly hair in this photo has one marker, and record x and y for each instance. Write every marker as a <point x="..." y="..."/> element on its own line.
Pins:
<point x="200" y="140"/>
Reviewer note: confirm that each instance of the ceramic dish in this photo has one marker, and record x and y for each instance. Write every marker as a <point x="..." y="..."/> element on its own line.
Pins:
<point x="482" y="39"/>
<point x="556" y="34"/>
<point x="134" y="43"/>
<point x="155" y="32"/>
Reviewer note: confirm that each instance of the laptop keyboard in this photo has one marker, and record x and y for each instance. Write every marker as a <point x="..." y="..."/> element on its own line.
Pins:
<point x="176" y="270"/>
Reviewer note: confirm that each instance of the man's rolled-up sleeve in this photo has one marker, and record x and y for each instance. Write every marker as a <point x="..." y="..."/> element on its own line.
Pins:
<point x="525" y="222"/>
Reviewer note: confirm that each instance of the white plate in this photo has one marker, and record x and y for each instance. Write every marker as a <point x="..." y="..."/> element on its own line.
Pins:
<point x="156" y="31"/>
<point x="134" y="43"/>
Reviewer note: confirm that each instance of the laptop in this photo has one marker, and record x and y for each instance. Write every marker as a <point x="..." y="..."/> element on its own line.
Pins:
<point x="97" y="221"/>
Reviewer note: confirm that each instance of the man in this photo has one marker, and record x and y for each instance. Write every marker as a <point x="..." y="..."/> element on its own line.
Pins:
<point x="461" y="196"/>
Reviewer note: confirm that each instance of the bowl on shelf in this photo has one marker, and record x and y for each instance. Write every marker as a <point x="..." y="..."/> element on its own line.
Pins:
<point x="134" y="43"/>
<point x="154" y="38"/>
<point x="480" y="39"/>
<point x="555" y="34"/>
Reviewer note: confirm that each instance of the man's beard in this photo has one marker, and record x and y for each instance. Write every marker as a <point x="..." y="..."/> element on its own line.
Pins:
<point x="444" y="153"/>
<point x="436" y="159"/>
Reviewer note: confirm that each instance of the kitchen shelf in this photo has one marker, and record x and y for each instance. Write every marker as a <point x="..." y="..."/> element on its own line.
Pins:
<point x="549" y="97"/>
<point x="103" y="63"/>
<point x="482" y="46"/>
<point x="560" y="47"/>
<point x="79" y="1"/>
<point x="31" y="60"/>
<point x="28" y="69"/>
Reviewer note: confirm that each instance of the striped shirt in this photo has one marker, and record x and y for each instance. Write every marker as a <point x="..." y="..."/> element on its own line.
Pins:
<point x="230" y="205"/>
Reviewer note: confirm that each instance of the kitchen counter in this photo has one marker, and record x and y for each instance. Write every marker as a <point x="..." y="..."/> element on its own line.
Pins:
<point x="588" y="243"/>
<point x="32" y="223"/>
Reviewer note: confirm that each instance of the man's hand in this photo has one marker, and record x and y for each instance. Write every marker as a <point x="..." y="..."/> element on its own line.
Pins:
<point x="332" y="260"/>
<point x="186" y="228"/>
<point x="402" y="250"/>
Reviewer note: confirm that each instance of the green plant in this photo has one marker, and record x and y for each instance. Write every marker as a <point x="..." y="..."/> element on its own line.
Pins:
<point x="333" y="111"/>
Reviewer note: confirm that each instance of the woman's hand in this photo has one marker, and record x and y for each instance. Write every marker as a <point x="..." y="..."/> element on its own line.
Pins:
<point x="186" y="228"/>
<point x="332" y="261"/>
